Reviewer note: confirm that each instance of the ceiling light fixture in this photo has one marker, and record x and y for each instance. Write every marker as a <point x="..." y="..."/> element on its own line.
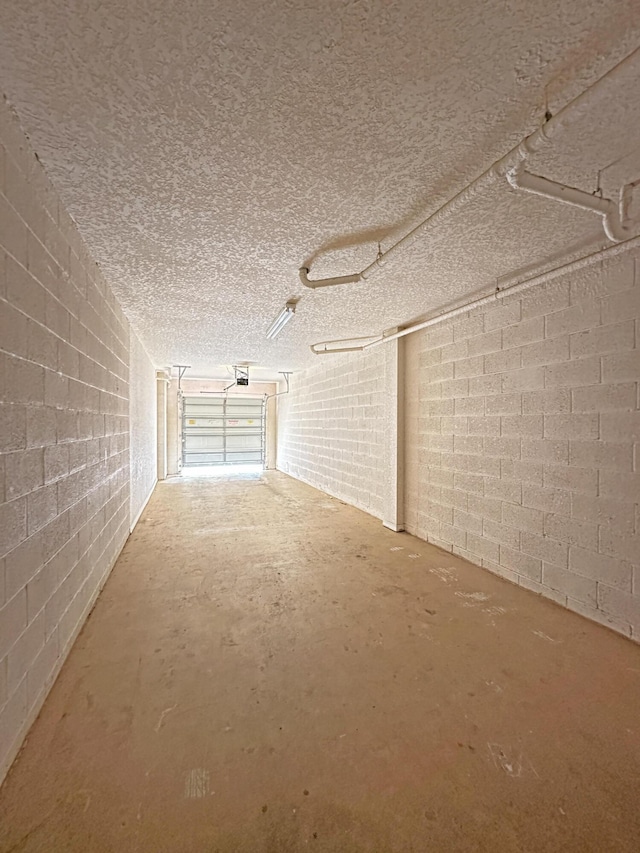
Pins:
<point x="281" y="320"/>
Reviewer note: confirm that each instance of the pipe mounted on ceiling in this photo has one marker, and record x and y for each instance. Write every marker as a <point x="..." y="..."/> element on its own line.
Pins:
<point x="325" y="347"/>
<point x="507" y="167"/>
<point x="507" y="290"/>
<point x="327" y="282"/>
<point x="613" y="214"/>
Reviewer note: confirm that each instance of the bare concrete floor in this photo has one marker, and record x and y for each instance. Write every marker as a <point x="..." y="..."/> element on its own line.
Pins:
<point x="270" y="670"/>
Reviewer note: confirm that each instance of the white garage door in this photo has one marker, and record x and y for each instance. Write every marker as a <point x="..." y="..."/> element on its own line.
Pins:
<point x="222" y="430"/>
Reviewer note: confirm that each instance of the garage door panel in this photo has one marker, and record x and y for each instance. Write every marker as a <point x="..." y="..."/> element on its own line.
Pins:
<point x="236" y="456"/>
<point x="242" y="442"/>
<point x="223" y="430"/>
<point x="203" y="423"/>
<point x="208" y="458"/>
<point x="203" y="443"/>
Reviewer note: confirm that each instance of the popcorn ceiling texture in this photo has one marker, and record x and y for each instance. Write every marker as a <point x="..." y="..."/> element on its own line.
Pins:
<point x="331" y="430"/>
<point x="64" y="434"/>
<point x="206" y="153"/>
<point x="523" y="440"/>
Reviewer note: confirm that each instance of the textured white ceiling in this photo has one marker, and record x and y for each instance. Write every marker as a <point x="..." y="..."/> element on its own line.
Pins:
<point x="207" y="150"/>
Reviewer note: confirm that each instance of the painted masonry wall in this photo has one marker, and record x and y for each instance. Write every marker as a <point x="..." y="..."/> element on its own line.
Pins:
<point x="143" y="425"/>
<point x="523" y="440"/>
<point x="331" y="428"/>
<point x="64" y="435"/>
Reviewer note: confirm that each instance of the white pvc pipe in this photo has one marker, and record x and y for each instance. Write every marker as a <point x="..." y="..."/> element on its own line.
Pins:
<point x="303" y="272"/>
<point x="612" y="213"/>
<point x="326" y="351"/>
<point x="509" y="290"/>
<point x="326" y="344"/>
<point x="439" y="318"/>
<point x="612" y="222"/>
<point x="490" y="298"/>
<point x="529" y="145"/>
<point x="522" y="180"/>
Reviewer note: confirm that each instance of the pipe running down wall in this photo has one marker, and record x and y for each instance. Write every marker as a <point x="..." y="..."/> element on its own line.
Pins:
<point x="511" y="167"/>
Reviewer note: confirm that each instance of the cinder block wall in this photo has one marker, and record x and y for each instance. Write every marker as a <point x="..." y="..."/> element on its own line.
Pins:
<point x="523" y="440"/>
<point x="331" y="428"/>
<point x="64" y="434"/>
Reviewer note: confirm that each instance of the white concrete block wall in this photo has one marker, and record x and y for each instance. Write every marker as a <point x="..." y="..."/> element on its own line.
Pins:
<point x="64" y="434"/>
<point x="523" y="440"/>
<point x="143" y="465"/>
<point x="331" y="430"/>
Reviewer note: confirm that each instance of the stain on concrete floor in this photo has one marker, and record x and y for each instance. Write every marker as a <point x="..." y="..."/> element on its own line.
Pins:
<point x="269" y="671"/>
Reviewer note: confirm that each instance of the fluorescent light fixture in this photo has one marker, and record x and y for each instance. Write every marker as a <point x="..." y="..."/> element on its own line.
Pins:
<point x="281" y="320"/>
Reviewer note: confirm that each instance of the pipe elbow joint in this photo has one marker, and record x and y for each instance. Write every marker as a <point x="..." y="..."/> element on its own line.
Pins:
<point x="614" y="229"/>
<point x="614" y="220"/>
<point x="303" y="272"/>
<point x="537" y="140"/>
<point x="513" y="176"/>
